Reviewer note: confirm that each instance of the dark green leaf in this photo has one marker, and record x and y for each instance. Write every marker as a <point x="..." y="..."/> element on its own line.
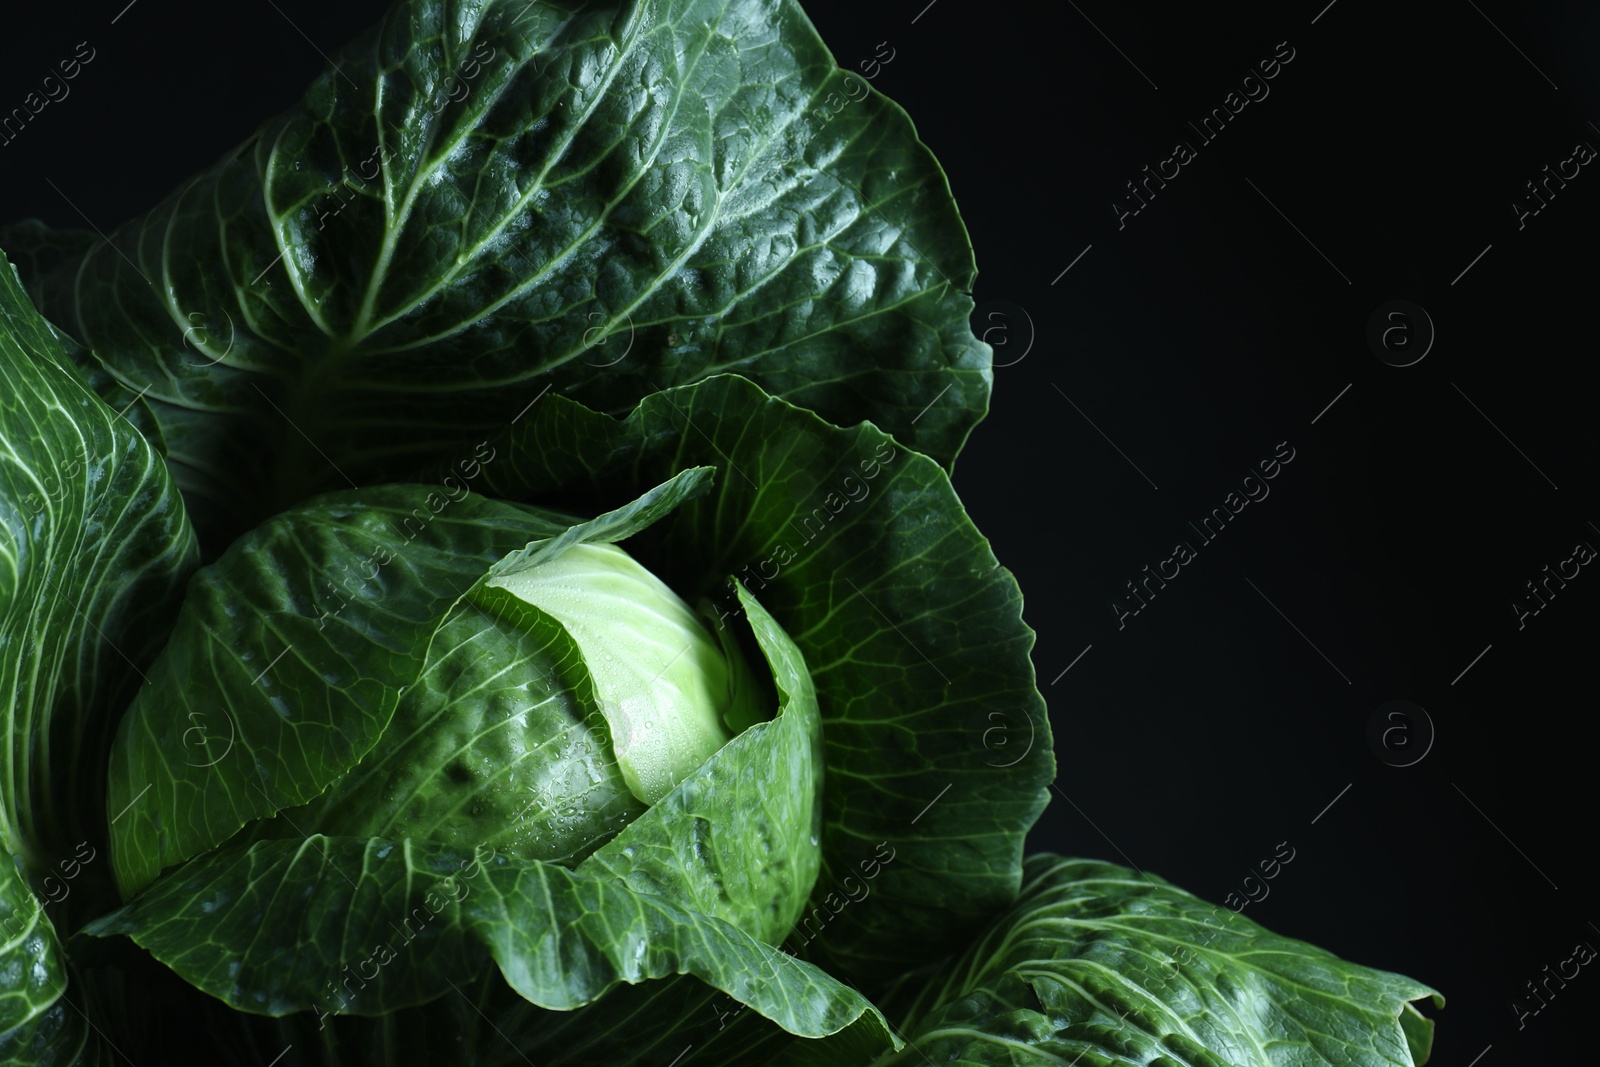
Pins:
<point x="36" y="249"/>
<point x="94" y="550"/>
<point x="490" y="729"/>
<point x="37" y="1025"/>
<point x="614" y="526"/>
<point x="1101" y="966"/>
<point x="937" y="748"/>
<point x="289" y="658"/>
<point x="363" y="927"/>
<point x="489" y="1025"/>
<point x="498" y="741"/>
<point x="479" y="201"/>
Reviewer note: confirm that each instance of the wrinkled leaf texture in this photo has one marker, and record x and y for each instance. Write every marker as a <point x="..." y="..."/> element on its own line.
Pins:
<point x="483" y="199"/>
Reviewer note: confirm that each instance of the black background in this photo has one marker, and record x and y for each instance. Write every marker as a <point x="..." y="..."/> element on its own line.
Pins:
<point x="1220" y="320"/>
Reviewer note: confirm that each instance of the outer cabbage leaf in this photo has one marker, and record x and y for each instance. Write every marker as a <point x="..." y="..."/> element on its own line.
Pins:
<point x="37" y="249"/>
<point x="332" y="924"/>
<point x="1099" y="966"/>
<point x="490" y="1025"/>
<point x="94" y="547"/>
<point x="38" y="1025"/>
<point x="482" y="199"/>
<point x="936" y="744"/>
